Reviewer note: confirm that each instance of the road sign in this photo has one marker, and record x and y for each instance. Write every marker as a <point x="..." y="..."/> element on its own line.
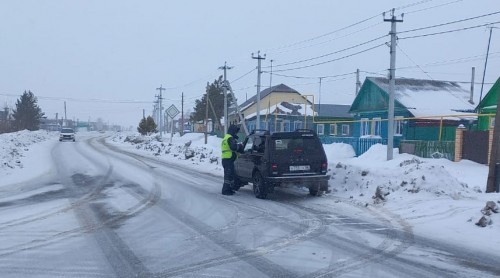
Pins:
<point x="172" y="111"/>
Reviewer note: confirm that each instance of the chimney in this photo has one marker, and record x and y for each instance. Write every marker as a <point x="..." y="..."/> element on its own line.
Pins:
<point x="471" y="100"/>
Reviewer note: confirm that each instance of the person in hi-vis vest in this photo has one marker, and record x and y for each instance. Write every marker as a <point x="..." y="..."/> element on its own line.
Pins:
<point x="229" y="148"/>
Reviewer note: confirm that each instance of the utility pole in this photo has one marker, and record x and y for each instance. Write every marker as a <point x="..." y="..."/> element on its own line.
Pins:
<point x="259" y="72"/>
<point x="160" y="100"/>
<point x="182" y="114"/>
<point x="493" y="181"/>
<point x="319" y="101"/>
<point x="358" y="83"/>
<point x="155" y="110"/>
<point x="392" y="83"/>
<point x="486" y="63"/>
<point x="206" y="113"/>
<point x="65" y="118"/>
<point x="471" y="99"/>
<point x="224" y="89"/>
<point x="271" y="75"/>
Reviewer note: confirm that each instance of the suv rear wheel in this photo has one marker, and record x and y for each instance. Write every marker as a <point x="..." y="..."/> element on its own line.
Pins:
<point x="259" y="187"/>
<point x="314" y="190"/>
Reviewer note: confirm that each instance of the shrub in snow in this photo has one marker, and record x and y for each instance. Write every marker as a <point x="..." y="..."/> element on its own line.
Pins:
<point x="189" y="153"/>
<point x="484" y="221"/>
<point x="214" y="159"/>
<point x="134" y="139"/>
<point x="489" y="208"/>
<point x="379" y="195"/>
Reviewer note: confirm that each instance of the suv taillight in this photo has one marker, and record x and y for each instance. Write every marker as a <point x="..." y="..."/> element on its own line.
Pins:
<point x="274" y="168"/>
<point x="324" y="167"/>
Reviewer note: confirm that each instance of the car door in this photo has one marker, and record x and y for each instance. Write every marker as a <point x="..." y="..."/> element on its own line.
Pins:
<point x="243" y="162"/>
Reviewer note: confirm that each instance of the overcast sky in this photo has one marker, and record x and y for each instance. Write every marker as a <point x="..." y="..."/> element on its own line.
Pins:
<point x="106" y="58"/>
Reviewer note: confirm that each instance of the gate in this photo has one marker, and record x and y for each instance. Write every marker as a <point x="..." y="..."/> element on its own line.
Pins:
<point x="475" y="146"/>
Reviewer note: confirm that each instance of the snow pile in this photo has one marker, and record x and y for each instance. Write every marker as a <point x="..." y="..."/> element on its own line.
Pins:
<point x="13" y="147"/>
<point x="189" y="149"/>
<point x="405" y="173"/>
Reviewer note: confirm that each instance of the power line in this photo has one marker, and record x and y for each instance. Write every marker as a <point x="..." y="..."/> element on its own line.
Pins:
<point x="346" y="27"/>
<point x="413" y="4"/>
<point x="331" y="53"/>
<point x="426" y="73"/>
<point x="449" y="31"/>
<point x="243" y="75"/>
<point x="453" y="61"/>
<point x="464" y="82"/>
<point x="433" y="7"/>
<point x="326" y="34"/>
<point x="377" y="73"/>
<point x="448" y="23"/>
<point x="330" y="40"/>
<point x="81" y="100"/>
<point x="333" y="60"/>
<point x="312" y="77"/>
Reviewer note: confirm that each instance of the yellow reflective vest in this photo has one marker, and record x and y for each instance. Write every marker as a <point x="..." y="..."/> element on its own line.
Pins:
<point x="226" y="150"/>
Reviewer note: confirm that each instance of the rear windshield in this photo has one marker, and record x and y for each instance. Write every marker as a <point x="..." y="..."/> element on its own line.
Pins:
<point x="306" y="145"/>
<point x="66" y="130"/>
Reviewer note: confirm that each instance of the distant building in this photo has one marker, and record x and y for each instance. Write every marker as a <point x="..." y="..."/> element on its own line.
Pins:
<point x="281" y="109"/>
<point x="333" y="120"/>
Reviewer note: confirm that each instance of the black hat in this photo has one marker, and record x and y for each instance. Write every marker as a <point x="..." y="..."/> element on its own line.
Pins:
<point x="233" y="130"/>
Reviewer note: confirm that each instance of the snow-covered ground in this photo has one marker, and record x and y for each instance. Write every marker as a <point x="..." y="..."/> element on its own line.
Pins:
<point x="440" y="199"/>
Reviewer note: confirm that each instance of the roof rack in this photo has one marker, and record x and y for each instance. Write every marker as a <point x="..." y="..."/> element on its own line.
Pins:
<point x="261" y="131"/>
<point x="304" y="130"/>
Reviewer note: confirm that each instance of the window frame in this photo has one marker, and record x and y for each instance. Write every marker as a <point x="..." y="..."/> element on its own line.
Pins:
<point x="322" y="126"/>
<point x="347" y="127"/>
<point x="364" y="127"/>
<point x="333" y="129"/>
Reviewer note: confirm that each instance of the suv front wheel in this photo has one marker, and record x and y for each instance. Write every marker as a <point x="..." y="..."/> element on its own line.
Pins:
<point x="259" y="187"/>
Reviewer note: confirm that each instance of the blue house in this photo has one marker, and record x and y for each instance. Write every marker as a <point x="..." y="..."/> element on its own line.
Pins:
<point x="426" y="110"/>
<point x="333" y="120"/>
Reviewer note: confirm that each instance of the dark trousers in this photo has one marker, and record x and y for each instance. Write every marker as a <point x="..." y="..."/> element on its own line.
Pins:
<point x="228" y="165"/>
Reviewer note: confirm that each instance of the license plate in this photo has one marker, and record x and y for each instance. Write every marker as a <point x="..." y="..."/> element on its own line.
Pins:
<point x="300" y="168"/>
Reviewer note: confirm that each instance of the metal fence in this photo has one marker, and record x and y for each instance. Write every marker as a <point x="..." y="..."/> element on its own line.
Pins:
<point x="421" y="148"/>
<point x="360" y="145"/>
<point x="429" y="149"/>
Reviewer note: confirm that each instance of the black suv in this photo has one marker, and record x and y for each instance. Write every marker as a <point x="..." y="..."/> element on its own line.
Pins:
<point x="282" y="159"/>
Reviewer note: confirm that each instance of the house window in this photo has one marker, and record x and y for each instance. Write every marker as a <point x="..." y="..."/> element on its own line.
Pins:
<point x="333" y="129"/>
<point x="286" y="125"/>
<point x="376" y="124"/>
<point x="297" y="125"/>
<point x="263" y="124"/>
<point x="365" y="127"/>
<point x="279" y="125"/>
<point x="345" y="129"/>
<point x="398" y="125"/>
<point x="321" y="129"/>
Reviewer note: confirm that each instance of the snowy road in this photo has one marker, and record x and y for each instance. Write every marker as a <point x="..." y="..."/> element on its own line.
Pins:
<point x="104" y="212"/>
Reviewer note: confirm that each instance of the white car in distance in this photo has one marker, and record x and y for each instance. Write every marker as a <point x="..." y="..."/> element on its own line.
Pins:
<point x="67" y="134"/>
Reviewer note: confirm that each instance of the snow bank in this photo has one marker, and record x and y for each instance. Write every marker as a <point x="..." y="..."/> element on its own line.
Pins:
<point x="439" y="198"/>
